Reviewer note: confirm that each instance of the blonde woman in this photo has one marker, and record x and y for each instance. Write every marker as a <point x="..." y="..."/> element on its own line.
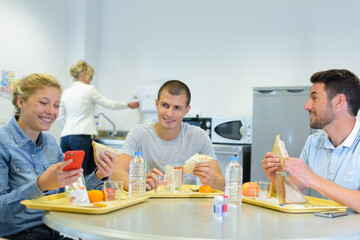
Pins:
<point x="31" y="161"/>
<point x="77" y="113"/>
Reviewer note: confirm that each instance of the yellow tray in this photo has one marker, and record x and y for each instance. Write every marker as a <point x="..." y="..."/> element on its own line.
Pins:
<point x="186" y="191"/>
<point x="314" y="205"/>
<point x="59" y="202"/>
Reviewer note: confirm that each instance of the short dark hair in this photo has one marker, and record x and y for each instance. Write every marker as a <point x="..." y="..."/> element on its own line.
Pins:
<point x="176" y="87"/>
<point x="340" y="81"/>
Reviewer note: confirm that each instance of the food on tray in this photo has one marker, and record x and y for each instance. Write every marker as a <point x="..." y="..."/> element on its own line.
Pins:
<point x="250" y="189"/>
<point x="96" y="196"/>
<point x="286" y="191"/>
<point x="279" y="149"/>
<point x="76" y="192"/>
<point x="205" y="189"/>
<point x="101" y="148"/>
<point x="195" y="159"/>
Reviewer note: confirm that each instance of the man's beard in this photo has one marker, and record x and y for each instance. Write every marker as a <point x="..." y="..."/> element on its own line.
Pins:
<point x="326" y="118"/>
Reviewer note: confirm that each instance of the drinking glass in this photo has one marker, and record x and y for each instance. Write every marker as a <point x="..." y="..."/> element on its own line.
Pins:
<point x="113" y="190"/>
<point x="265" y="189"/>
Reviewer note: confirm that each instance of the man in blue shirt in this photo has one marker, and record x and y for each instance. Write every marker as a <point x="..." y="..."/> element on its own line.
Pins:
<point x="330" y="160"/>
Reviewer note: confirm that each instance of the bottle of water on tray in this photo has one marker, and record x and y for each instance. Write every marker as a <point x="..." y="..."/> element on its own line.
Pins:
<point x="233" y="182"/>
<point x="137" y="185"/>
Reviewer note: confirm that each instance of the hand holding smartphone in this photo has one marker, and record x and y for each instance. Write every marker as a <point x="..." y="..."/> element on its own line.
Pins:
<point x="77" y="157"/>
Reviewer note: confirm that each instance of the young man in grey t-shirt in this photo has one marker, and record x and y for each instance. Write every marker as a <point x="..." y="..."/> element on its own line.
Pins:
<point x="169" y="141"/>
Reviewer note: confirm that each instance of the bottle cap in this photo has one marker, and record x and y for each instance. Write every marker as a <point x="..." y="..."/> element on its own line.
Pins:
<point x="234" y="158"/>
<point x="138" y="153"/>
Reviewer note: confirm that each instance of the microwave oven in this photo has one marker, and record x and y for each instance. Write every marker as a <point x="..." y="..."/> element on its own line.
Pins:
<point x="231" y="130"/>
<point x="204" y="123"/>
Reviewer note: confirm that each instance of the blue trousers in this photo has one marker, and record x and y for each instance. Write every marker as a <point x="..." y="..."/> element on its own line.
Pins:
<point x="80" y="142"/>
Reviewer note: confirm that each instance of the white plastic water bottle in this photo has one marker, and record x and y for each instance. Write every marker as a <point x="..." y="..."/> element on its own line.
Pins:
<point x="137" y="185"/>
<point x="233" y="182"/>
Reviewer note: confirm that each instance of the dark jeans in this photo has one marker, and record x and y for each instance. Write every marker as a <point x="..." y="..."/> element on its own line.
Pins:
<point x="41" y="232"/>
<point x="80" y="142"/>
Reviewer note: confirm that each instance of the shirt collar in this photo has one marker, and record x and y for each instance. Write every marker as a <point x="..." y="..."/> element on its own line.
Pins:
<point x="348" y="141"/>
<point x="20" y="137"/>
<point x="351" y="138"/>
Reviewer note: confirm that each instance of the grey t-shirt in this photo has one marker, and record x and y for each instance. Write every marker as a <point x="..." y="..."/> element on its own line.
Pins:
<point x="157" y="153"/>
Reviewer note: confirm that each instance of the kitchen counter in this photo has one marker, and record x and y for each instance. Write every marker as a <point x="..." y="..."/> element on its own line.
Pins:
<point x="193" y="218"/>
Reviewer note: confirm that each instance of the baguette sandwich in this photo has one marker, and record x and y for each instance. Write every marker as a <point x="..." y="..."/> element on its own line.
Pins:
<point x="195" y="159"/>
<point x="279" y="149"/>
<point x="101" y="148"/>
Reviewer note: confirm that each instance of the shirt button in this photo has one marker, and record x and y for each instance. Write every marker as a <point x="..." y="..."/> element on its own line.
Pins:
<point x="33" y="155"/>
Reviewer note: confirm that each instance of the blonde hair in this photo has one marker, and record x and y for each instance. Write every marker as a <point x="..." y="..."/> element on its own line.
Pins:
<point x="26" y="86"/>
<point x="81" y="67"/>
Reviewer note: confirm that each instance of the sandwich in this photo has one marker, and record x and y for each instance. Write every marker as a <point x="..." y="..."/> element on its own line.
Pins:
<point x="279" y="149"/>
<point x="286" y="191"/>
<point x="195" y="159"/>
<point x="101" y="148"/>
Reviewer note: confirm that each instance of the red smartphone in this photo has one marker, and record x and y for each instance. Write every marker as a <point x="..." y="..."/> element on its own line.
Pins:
<point x="77" y="157"/>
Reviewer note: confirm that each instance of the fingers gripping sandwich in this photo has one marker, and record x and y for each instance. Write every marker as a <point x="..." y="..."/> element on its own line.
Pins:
<point x="101" y="148"/>
<point x="192" y="161"/>
<point x="279" y="149"/>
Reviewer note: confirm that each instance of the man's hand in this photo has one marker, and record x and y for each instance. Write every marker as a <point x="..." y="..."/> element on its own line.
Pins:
<point x="210" y="174"/>
<point x="205" y="172"/>
<point x="152" y="180"/>
<point x="300" y="172"/>
<point x="54" y="177"/>
<point x="105" y="165"/>
<point x="271" y="165"/>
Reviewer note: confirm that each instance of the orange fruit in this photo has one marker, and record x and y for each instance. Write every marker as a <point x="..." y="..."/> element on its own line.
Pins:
<point x="250" y="189"/>
<point x="95" y="196"/>
<point x="205" y="189"/>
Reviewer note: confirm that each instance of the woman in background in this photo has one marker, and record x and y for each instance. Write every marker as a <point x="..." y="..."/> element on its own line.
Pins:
<point x="77" y="110"/>
<point x="31" y="161"/>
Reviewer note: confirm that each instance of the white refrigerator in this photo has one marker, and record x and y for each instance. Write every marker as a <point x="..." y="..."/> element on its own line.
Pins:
<point x="278" y="110"/>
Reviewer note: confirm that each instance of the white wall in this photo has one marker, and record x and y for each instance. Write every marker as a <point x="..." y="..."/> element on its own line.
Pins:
<point x="34" y="38"/>
<point x="221" y="49"/>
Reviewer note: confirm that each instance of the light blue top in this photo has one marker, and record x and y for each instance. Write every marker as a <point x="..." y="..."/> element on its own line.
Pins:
<point x="157" y="152"/>
<point x="340" y="165"/>
<point x="22" y="161"/>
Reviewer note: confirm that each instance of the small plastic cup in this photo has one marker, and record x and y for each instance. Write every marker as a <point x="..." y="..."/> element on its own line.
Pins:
<point x="113" y="190"/>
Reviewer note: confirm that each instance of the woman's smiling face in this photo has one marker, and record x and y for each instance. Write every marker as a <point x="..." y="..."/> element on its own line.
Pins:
<point x="39" y="111"/>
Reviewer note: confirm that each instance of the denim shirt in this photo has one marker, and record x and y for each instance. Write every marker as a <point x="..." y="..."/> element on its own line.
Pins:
<point x="22" y="161"/>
